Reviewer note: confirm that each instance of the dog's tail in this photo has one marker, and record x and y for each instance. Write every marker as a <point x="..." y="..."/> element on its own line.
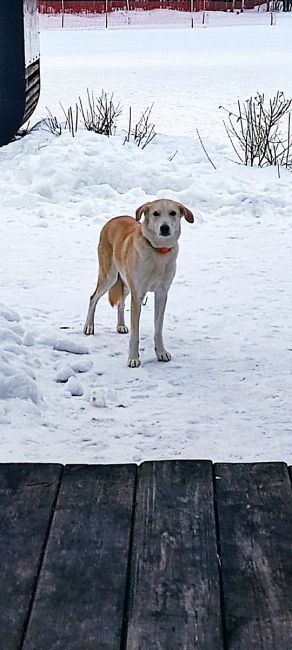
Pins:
<point x="115" y="293"/>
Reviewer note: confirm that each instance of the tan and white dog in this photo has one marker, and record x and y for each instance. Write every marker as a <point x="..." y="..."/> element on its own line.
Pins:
<point x="136" y="258"/>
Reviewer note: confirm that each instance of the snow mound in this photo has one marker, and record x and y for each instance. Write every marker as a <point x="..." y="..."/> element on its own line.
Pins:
<point x="63" y="345"/>
<point x="17" y="379"/>
<point x="74" y="387"/>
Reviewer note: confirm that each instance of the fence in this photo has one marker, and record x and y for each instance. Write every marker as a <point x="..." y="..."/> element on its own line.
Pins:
<point x="107" y="6"/>
<point x="116" y="14"/>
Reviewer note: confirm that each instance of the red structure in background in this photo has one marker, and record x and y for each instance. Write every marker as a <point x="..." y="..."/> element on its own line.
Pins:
<point x="100" y="6"/>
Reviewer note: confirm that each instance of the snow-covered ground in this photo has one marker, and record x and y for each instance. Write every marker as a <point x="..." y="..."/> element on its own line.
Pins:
<point x="226" y="395"/>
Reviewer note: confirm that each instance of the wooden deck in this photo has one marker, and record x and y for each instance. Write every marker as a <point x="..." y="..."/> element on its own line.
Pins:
<point x="174" y="555"/>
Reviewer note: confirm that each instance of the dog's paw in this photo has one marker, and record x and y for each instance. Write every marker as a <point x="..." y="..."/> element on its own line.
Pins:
<point x="163" y="356"/>
<point x="88" y="329"/>
<point x="134" y="363"/>
<point x="122" y="329"/>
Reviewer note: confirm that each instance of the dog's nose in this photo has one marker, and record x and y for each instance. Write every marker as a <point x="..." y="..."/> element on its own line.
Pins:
<point x="164" y="230"/>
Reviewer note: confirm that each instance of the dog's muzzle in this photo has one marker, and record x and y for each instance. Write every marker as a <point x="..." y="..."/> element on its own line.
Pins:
<point x="165" y="230"/>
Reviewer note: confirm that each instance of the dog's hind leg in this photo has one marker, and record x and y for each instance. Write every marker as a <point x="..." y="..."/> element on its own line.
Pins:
<point x="117" y="296"/>
<point x="121" y="327"/>
<point x="106" y="278"/>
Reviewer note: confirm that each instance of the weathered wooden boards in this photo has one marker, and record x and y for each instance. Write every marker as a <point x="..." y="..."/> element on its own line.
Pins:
<point x="79" y="601"/>
<point x="171" y="555"/>
<point x="255" y="529"/>
<point x="174" y="587"/>
<point x="27" y="495"/>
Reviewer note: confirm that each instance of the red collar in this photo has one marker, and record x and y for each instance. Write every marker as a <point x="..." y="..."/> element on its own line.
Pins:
<point x="161" y="249"/>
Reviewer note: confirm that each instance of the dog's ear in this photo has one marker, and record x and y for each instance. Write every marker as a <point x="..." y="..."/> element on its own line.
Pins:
<point x="143" y="208"/>
<point x="186" y="213"/>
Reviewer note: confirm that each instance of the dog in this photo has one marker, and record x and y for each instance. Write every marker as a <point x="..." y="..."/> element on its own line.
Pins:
<point x="136" y="258"/>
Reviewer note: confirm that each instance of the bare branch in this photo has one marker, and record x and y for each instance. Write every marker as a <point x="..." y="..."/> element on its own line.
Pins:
<point x="204" y="149"/>
<point x="255" y="133"/>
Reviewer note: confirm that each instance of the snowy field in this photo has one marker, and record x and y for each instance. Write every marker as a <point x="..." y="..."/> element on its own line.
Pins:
<point x="227" y="393"/>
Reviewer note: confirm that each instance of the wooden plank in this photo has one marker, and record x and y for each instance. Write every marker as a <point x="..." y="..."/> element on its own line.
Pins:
<point x="81" y="590"/>
<point x="255" y="525"/>
<point x="174" y="581"/>
<point x="27" y="494"/>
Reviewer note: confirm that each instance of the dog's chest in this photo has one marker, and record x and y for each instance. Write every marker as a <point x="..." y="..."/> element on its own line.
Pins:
<point x="158" y="274"/>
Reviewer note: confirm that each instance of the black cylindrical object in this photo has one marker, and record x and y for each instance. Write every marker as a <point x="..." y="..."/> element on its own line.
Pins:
<point x="19" y="65"/>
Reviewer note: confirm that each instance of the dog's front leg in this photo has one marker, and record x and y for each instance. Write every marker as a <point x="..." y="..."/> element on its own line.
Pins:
<point x="160" y="304"/>
<point x="136" y="303"/>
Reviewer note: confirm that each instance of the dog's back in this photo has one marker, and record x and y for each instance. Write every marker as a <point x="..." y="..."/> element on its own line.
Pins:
<point x="116" y="232"/>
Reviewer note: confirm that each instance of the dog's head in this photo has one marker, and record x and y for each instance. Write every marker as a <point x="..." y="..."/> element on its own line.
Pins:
<point x="163" y="221"/>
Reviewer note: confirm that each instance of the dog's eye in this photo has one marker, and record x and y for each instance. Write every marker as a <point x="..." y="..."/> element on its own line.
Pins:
<point x="172" y="213"/>
<point x="156" y="214"/>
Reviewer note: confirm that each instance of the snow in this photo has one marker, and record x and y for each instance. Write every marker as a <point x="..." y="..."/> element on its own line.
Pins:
<point x="17" y="377"/>
<point x="226" y="395"/>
